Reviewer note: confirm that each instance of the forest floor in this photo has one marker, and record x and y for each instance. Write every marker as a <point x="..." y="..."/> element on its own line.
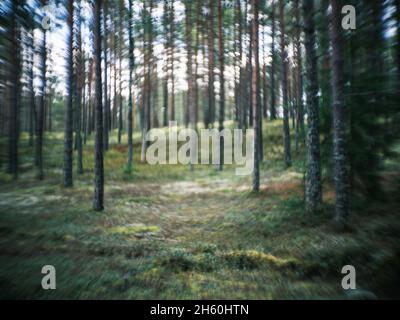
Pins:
<point x="169" y="233"/>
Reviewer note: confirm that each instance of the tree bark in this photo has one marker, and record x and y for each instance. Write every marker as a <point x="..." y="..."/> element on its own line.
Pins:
<point x="313" y="184"/>
<point x="340" y="157"/>
<point x="15" y="91"/>
<point x="98" y="204"/>
<point x="211" y="92"/>
<point x="286" y="129"/>
<point x="273" y="62"/>
<point x="222" y="83"/>
<point x="255" y="94"/>
<point x="130" y="106"/>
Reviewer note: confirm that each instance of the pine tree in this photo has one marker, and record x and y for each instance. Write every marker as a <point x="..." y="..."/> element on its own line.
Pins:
<point x="341" y="176"/>
<point x="98" y="204"/>
<point x="286" y="129"/>
<point x="313" y="184"/>
<point x="255" y="94"/>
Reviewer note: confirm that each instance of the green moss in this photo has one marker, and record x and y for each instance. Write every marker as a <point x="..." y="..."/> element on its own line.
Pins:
<point x="134" y="229"/>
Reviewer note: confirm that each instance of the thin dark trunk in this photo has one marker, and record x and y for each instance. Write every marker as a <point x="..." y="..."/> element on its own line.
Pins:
<point x="313" y="184"/>
<point x="15" y="92"/>
<point x="68" y="133"/>
<point x="120" y="39"/>
<point x="340" y="157"/>
<point x="106" y="101"/>
<point x="130" y="102"/>
<point x="79" y="87"/>
<point x="211" y="92"/>
<point x="166" y="66"/>
<point x="255" y="95"/>
<point x="222" y="84"/>
<point x="300" y="130"/>
<point x="273" y="62"/>
<point x="40" y="112"/>
<point x="99" y="164"/>
<point x="286" y="128"/>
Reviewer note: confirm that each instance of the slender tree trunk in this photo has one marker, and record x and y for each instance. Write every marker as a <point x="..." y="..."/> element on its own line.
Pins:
<point x="240" y="106"/>
<point x="286" y="129"/>
<point x="249" y="82"/>
<point x="256" y="95"/>
<point x="106" y="101"/>
<point x="40" y="112"/>
<point x="211" y="92"/>
<point x="172" y="49"/>
<point x="221" y="83"/>
<point x="196" y="72"/>
<point x="79" y="87"/>
<point x="130" y="102"/>
<point x="32" y="110"/>
<point x="99" y="165"/>
<point x="340" y="157"/>
<point x="68" y="133"/>
<point x="166" y="66"/>
<point x="15" y="90"/>
<point x="273" y="62"/>
<point x="313" y="184"/>
<point x="120" y="40"/>
<point x="300" y="130"/>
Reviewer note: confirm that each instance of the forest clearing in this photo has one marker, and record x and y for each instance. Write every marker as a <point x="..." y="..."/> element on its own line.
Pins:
<point x="281" y="180"/>
<point x="190" y="235"/>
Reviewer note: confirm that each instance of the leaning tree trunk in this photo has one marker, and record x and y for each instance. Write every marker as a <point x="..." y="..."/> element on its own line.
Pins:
<point x="99" y="161"/>
<point x="313" y="185"/>
<point x="286" y="129"/>
<point x="340" y="157"/>
<point x="255" y="95"/>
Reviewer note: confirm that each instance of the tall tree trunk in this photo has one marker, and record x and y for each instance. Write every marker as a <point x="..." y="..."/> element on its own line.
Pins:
<point x="68" y="133"/>
<point x="340" y="157"/>
<point x="40" y="112"/>
<point x="238" y="57"/>
<point x="172" y="51"/>
<point x="15" y="90"/>
<point x="106" y="101"/>
<point x="221" y="83"/>
<point x="256" y="95"/>
<point x="249" y="72"/>
<point x="273" y="62"/>
<point x="286" y="129"/>
<point x="32" y="110"/>
<point x="79" y="83"/>
<point x="196" y="56"/>
<point x="130" y="102"/>
<point x="98" y="204"/>
<point x="166" y="66"/>
<point x="313" y="184"/>
<point x="239" y="91"/>
<point x="300" y="130"/>
<point x="211" y="92"/>
<point x="120" y="40"/>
